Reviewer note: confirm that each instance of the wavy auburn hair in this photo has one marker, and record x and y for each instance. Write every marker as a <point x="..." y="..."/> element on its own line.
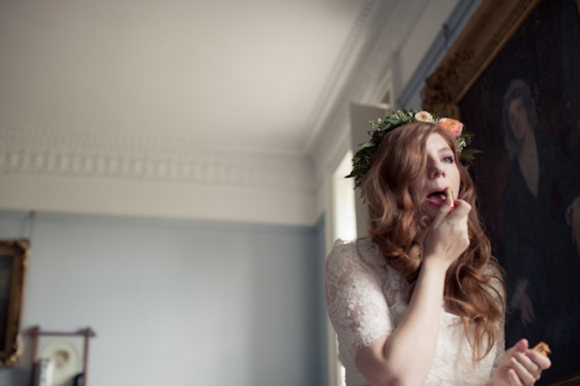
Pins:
<point x="395" y="224"/>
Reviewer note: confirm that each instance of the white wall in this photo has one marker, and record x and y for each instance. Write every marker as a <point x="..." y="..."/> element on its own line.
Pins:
<point x="177" y="302"/>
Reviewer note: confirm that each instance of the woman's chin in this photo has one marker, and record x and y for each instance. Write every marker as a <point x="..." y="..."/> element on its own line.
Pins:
<point x="430" y="209"/>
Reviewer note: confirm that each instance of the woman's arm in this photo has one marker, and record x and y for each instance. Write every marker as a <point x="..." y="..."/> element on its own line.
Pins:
<point x="406" y="355"/>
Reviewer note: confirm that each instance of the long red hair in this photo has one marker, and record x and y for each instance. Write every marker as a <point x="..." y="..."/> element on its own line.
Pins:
<point x="395" y="225"/>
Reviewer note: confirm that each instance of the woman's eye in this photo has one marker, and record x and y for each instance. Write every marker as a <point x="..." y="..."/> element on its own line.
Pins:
<point x="449" y="159"/>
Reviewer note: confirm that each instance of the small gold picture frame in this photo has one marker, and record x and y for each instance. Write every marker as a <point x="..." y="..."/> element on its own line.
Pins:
<point x="14" y="256"/>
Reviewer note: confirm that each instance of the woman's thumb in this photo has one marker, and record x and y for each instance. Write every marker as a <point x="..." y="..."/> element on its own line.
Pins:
<point x="444" y="210"/>
<point x="522" y="345"/>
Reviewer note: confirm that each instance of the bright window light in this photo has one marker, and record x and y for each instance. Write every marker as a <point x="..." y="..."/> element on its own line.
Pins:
<point x="344" y="201"/>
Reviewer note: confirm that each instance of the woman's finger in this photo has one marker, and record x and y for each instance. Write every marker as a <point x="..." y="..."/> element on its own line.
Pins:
<point x="522" y="345"/>
<point x="542" y="361"/>
<point x="443" y="212"/>
<point x="460" y="210"/>
<point x="523" y="374"/>
<point x="531" y="367"/>
<point x="513" y="378"/>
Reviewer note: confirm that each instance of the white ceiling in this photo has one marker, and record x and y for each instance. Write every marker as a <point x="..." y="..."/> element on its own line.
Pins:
<point x="229" y="110"/>
<point x="187" y="69"/>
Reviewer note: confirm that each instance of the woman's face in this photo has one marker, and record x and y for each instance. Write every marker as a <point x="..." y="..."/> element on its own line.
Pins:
<point x="518" y="119"/>
<point x="440" y="172"/>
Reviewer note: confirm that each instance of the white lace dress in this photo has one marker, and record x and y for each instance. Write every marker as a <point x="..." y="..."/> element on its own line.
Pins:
<point x="365" y="300"/>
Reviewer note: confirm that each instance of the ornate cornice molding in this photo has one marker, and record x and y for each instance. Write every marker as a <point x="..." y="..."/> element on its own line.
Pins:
<point x="77" y="154"/>
<point x="368" y="77"/>
<point x="340" y="72"/>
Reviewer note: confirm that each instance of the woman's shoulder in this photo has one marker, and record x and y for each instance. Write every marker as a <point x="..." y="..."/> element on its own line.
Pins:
<point x="359" y="254"/>
<point x="342" y="252"/>
<point x="360" y="250"/>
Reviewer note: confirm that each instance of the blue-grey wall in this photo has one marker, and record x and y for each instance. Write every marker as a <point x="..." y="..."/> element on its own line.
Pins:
<point x="178" y="302"/>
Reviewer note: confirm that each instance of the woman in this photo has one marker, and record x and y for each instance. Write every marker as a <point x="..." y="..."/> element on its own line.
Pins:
<point x="420" y="301"/>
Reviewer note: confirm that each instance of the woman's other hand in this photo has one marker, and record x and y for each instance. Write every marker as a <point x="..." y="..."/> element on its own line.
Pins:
<point x="447" y="237"/>
<point x="520" y="366"/>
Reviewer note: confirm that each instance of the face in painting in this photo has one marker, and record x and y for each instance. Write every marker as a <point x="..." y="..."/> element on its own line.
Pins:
<point x="518" y="119"/>
<point x="440" y="173"/>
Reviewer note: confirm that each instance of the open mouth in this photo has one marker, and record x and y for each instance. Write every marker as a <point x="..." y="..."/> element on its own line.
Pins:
<point x="436" y="198"/>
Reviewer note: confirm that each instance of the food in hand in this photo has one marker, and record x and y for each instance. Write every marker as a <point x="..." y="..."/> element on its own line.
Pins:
<point x="449" y="195"/>
<point x="542" y="348"/>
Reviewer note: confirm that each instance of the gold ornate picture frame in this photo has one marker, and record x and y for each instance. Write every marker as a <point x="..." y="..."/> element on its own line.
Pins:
<point x="487" y="32"/>
<point x="14" y="255"/>
<point x="525" y="45"/>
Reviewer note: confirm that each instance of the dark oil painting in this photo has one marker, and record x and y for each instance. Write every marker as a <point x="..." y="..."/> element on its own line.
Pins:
<point x="525" y="112"/>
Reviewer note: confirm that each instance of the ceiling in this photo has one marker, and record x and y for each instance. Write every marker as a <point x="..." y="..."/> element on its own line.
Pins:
<point x="232" y="69"/>
<point x="213" y="109"/>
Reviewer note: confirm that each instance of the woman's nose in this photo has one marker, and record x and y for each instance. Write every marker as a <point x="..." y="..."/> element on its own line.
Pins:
<point x="436" y="169"/>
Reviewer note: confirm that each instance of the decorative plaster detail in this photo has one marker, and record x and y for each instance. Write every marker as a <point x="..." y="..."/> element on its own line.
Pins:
<point x="369" y="78"/>
<point x="77" y="154"/>
<point x="340" y="70"/>
<point x="364" y="81"/>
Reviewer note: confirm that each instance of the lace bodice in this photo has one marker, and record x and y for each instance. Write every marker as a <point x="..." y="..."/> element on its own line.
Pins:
<point x="365" y="300"/>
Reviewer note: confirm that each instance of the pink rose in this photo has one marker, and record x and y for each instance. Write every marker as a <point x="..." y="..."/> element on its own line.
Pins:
<point x="452" y="126"/>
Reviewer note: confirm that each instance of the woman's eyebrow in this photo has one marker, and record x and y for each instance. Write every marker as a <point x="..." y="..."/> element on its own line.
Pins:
<point x="444" y="149"/>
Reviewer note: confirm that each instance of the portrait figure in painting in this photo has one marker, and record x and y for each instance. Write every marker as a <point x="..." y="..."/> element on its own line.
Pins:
<point x="540" y="202"/>
<point x="524" y="109"/>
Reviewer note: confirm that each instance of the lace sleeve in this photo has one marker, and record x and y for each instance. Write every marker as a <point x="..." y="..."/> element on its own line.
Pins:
<point x="354" y="300"/>
<point x="499" y="351"/>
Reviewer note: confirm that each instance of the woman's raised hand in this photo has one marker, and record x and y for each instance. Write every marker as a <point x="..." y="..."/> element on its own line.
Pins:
<point x="520" y="366"/>
<point x="447" y="236"/>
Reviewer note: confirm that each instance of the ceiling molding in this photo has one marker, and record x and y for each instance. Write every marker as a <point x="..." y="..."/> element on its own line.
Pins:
<point x="90" y="155"/>
<point x="368" y="78"/>
<point x="340" y="71"/>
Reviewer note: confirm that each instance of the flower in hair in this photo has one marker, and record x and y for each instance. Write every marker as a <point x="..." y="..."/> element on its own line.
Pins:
<point x="362" y="160"/>
<point x="452" y="126"/>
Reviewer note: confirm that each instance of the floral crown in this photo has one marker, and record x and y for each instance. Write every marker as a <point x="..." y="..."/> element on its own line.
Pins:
<point x="361" y="162"/>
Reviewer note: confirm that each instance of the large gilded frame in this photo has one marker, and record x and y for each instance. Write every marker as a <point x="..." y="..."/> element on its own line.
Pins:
<point x="482" y="40"/>
<point x="488" y="31"/>
<point x="11" y="344"/>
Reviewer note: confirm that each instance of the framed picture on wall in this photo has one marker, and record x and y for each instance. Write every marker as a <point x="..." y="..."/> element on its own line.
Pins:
<point x="60" y="358"/>
<point x="14" y="256"/>
<point x="512" y="77"/>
